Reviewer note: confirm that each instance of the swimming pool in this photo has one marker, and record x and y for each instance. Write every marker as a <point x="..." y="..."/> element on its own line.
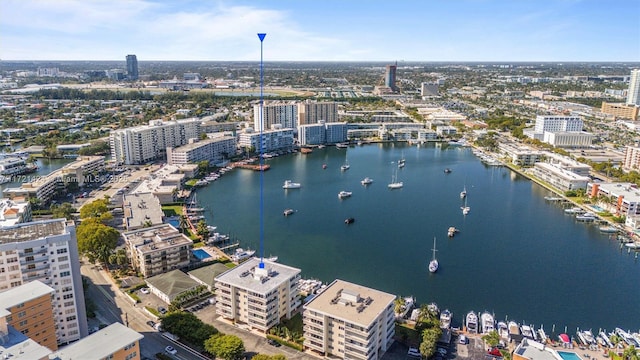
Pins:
<point x="200" y="254"/>
<point x="569" y="355"/>
<point x="597" y="208"/>
<point x="173" y="221"/>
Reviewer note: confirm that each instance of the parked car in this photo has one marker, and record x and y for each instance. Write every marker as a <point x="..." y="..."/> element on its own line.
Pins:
<point x="162" y="310"/>
<point x="145" y="290"/>
<point x="151" y="323"/>
<point x="273" y="343"/>
<point x="171" y="350"/>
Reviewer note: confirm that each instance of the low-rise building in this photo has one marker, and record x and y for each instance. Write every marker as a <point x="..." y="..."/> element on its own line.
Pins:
<point x="349" y="321"/>
<point x="621" y="198"/>
<point x="214" y="150"/>
<point x="532" y="350"/>
<point x="621" y="110"/>
<point x="272" y="140"/>
<point x="29" y="309"/>
<point x="116" y="341"/>
<point x="520" y="155"/>
<point x="258" y="294"/>
<point x="169" y="285"/>
<point x="14" y="211"/>
<point x="559" y="178"/>
<point x="141" y="210"/>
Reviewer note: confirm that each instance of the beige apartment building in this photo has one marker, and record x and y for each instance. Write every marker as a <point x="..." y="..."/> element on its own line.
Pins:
<point x="621" y="110"/>
<point x="158" y="249"/>
<point x="257" y="296"/>
<point x="349" y="321"/>
<point x="115" y="342"/>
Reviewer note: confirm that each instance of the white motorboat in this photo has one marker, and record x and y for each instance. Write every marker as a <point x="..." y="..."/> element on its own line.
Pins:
<point x="574" y="210"/>
<point x="487" y="322"/>
<point x="344" y="194"/>
<point x="272" y="258"/>
<point x="503" y="330"/>
<point x="241" y="254"/>
<point x="463" y="193"/>
<point x="465" y="210"/>
<point x="471" y="322"/>
<point x="452" y="231"/>
<point x="288" y="184"/>
<point x="514" y="328"/>
<point x="633" y="245"/>
<point x="433" y="264"/>
<point x="608" y="229"/>
<point x="366" y="181"/>
<point x="288" y="212"/>
<point x="526" y="331"/>
<point x="588" y="216"/>
<point x="345" y="166"/>
<point x="445" y="319"/>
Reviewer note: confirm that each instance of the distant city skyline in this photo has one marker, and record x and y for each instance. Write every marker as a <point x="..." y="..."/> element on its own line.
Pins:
<point x="332" y="30"/>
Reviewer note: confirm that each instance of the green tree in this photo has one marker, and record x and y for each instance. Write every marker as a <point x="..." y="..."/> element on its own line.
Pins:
<point x="399" y="304"/>
<point x="430" y="338"/>
<point x="96" y="240"/>
<point x="96" y="209"/>
<point x="227" y="347"/>
<point x="188" y="326"/>
<point x="492" y="339"/>
<point x="64" y="210"/>
<point x="631" y="353"/>
<point x="203" y="166"/>
<point x="202" y="230"/>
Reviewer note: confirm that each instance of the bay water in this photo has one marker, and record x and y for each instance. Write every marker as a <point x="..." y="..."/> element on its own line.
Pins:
<point x="516" y="255"/>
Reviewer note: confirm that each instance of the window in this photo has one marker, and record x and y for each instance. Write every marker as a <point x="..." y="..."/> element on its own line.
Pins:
<point x="23" y="323"/>
<point x="28" y="251"/>
<point x="14" y="267"/>
<point x="63" y="258"/>
<point x="65" y="273"/>
<point x="62" y="251"/>
<point x="12" y="260"/>
<point x="68" y="296"/>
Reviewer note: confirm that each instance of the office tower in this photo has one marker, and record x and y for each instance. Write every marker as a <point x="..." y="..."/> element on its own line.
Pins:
<point x="390" y="77"/>
<point x="132" y="67"/>
<point x="633" y="96"/>
<point x="47" y="251"/>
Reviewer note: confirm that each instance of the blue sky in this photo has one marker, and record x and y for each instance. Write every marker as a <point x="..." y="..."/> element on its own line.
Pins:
<point x="324" y="30"/>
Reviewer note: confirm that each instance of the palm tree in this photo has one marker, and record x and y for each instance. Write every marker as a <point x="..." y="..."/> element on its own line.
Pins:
<point x="631" y="353"/>
<point x="399" y="304"/>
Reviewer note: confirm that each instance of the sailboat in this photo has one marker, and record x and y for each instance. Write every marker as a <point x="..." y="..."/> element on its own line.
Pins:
<point x="345" y="166"/>
<point x="433" y="264"/>
<point x="395" y="184"/>
<point x="465" y="209"/>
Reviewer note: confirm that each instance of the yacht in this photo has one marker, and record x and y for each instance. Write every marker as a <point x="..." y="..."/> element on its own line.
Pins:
<point x="503" y="330"/>
<point x="349" y="220"/>
<point x="487" y="322"/>
<point x="447" y="171"/>
<point x="463" y="193"/>
<point x="366" y="181"/>
<point x="608" y="229"/>
<point x="526" y="331"/>
<point x="633" y="245"/>
<point x="201" y="182"/>
<point x="344" y="194"/>
<point x="345" y="166"/>
<point x="241" y="254"/>
<point x="465" y="210"/>
<point x="445" y="319"/>
<point x="514" y="328"/>
<point x="452" y="231"/>
<point x="472" y="323"/>
<point x="288" y="212"/>
<point x="588" y="216"/>
<point x="433" y="264"/>
<point x="574" y="210"/>
<point x="272" y="258"/>
<point x="291" y="185"/>
<point x="433" y="309"/>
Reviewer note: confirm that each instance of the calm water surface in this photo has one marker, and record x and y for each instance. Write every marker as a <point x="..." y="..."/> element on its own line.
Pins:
<point x="516" y="255"/>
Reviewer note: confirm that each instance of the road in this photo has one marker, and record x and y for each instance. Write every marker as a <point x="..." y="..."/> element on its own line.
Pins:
<point x="112" y="306"/>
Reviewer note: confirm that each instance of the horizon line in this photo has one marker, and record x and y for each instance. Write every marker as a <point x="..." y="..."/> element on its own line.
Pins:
<point x="342" y="61"/>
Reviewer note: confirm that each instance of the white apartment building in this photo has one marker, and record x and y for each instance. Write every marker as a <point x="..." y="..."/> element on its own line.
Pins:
<point x="623" y="198"/>
<point x="633" y="95"/>
<point x="349" y="321"/>
<point x="272" y="140"/>
<point x="47" y="251"/>
<point x="520" y="155"/>
<point x="313" y="112"/>
<point x="258" y="294"/>
<point x="554" y="123"/>
<point x="214" y="150"/>
<point x="283" y="113"/>
<point x="141" y="210"/>
<point x="157" y="249"/>
<point x="446" y="130"/>
<point x="559" y="178"/>
<point x="45" y="188"/>
<point x="632" y="158"/>
<point x="567" y="163"/>
<point x="568" y="139"/>
<point x="145" y="143"/>
<point x="322" y="133"/>
<point x="14" y="211"/>
<point x="427" y="135"/>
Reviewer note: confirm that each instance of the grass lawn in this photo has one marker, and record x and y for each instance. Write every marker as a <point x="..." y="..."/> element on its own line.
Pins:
<point x="172" y="210"/>
<point x="294" y="324"/>
<point x="407" y="335"/>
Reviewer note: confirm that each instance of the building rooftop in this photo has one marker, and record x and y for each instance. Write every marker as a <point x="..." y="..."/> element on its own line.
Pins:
<point x="10" y="209"/>
<point x="207" y="274"/>
<point x="33" y="230"/>
<point x="172" y="283"/>
<point x="350" y="302"/>
<point x="100" y="344"/>
<point x="17" y="346"/>
<point x="534" y="350"/>
<point x="204" y="142"/>
<point x="141" y="209"/>
<point x="23" y="293"/>
<point x="628" y="191"/>
<point x="156" y="238"/>
<point x="248" y="276"/>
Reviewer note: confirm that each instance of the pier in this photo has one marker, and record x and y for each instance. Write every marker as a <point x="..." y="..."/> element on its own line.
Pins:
<point x="263" y="167"/>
